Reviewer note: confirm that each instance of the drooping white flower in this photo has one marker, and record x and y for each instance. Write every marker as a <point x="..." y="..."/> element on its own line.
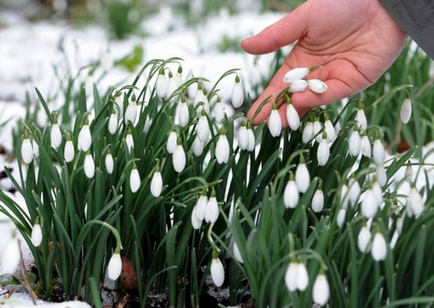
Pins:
<point x="378" y="192"/>
<point x="291" y="276"/>
<point x="113" y="123"/>
<point x="217" y="272"/>
<point x="192" y="90"/>
<point x="183" y="113"/>
<point x="318" y="200"/>
<point x="405" y="112"/>
<point x="195" y="222"/>
<point x="415" y="204"/>
<point x="369" y="204"/>
<point x="202" y="128"/>
<point x="134" y="179"/>
<point x="307" y="132"/>
<point x="379" y="152"/>
<point x="329" y="129"/>
<point x="297" y="86"/>
<point x="201" y="98"/>
<point x="251" y="138"/>
<point x="361" y="120"/>
<point x="222" y="149"/>
<point x="317" y="127"/>
<point x="27" y="151"/>
<point x="236" y="252"/>
<point x="302" y="277"/>
<point x="275" y="122"/>
<point x="340" y="219"/>
<point x="160" y="85"/>
<point x="353" y="191"/>
<point x="296" y="74"/>
<point x="302" y="176"/>
<point x="379" y="247"/>
<point x="10" y="256"/>
<point x="354" y="143"/>
<point x="243" y="140"/>
<point x="197" y="146"/>
<point x="219" y="111"/>
<point x="55" y="135"/>
<point x="381" y="175"/>
<point x="317" y="86"/>
<point x="323" y="151"/>
<point x="291" y="194"/>
<point x="89" y="165"/>
<point x="365" y="146"/>
<point x="292" y="116"/>
<point x="36" y="236"/>
<point x="114" y="268"/>
<point x="364" y="239"/>
<point x="212" y="209"/>
<point x="201" y="206"/>
<point x="84" y="138"/>
<point x="69" y="151"/>
<point x="237" y="97"/>
<point x="321" y="290"/>
<point x="171" y="142"/>
<point x="179" y="159"/>
<point x="344" y="197"/>
<point x="129" y="141"/>
<point x="179" y="79"/>
<point x="170" y="85"/>
<point x="156" y="183"/>
<point x="131" y="113"/>
<point x="109" y="163"/>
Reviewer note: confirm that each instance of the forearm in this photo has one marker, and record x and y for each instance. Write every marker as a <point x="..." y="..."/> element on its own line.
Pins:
<point x="416" y="17"/>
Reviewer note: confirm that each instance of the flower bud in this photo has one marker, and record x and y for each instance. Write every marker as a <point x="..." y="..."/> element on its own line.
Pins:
<point x="302" y="176"/>
<point x="35" y="148"/>
<point x="317" y="86"/>
<point x="369" y="204"/>
<point x="381" y="175"/>
<point x="307" y="132"/>
<point x="160" y="85"/>
<point x="379" y="152"/>
<point x="364" y="239"/>
<point x="243" y="140"/>
<point x="302" y="277"/>
<point x="318" y="200"/>
<point x="296" y="74"/>
<point x="379" y="247"/>
<point x="195" y="222"/>
<point x="251" y="138"/>
<point x="217" y="272"/>
<point x="298" y="86"/>
<point x="36" y="236"/>
<point x="321" y="290"/>
<point x="156" y="183"/>
<point x="291" y="194"/>
<point x="183" y="113"/>
<point x="354" y="143"/>
<point x="89" y="165"/>
<point x="84" y="138"/>
<point x="415" y="204"/>
<point x="114" y="268"/>
<point x="361" y="120"/>
<point x="129" y="141"/>
<point x="405" y="113"/>
<point x="237" y="254"/>
<point x="112" y="123"/>
<point x="179" y="159"/>
<point x="134" y="179"/>
<point x="197" y="146"/>
<point x="291" y="276"/>
<point x="237" y="97"/>
<point x="329" y="129"/>
<point x="222" y="149"/>
<point x="212" y="209"/>
<point x="340" y="219"/>
<point x="201" y="206"/>
<point x="109" y="163"/>
<point x="274" y="122"/>
<point x="317" y="127"/>
<point x="69" y="151"/>
<point x="27" y="151"/>
<point x="55" y="135"/>
<point x="179" y="79"/>
<point x="353" y="191"/>
<point x="292" y="116"/>
<point x="323" y="152"/>
<point x="170" y="86"/>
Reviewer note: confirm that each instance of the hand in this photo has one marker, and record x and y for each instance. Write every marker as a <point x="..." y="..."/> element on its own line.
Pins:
<point x="354" y="40"/>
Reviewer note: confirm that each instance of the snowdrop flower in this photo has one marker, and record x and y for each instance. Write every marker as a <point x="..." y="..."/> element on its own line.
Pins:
<point x="113" y="123"/>
<point x="36" y="236"/>
<point x="296" y="277"/>
<point x="415" y="204"/>
<point x="354" y="143"/>
<point x="274" y="122"/>
<point x="156" y="183"/>
<point x="297" y="73"/>
<point x="129" y="141"/>
<point x="292" y="116"/>
<point x="219" y="111"/>
<point x="379" y="152"/>
<point x="183" y="113"/>
<point x="131" y="113"/>
<point x="197" y="146"/>
<point x="381" y="175"/>
<point x="171" y="142"/>
<point x="69" y="151"/>
<point x="212" y="209"/>
<point x="378" y="192"/>
<point x="178" y="157"/>
<point x="195" y="222"/>
<point x="236" y="252"/>
<point x="344" y="197"/>
<point x="178" y="79"/>
<point x="379" y="247"/>
<point x="365" y="146"/>
<point x="160" y="85"/>
<point x="27" y="149"/>
<point x="369" y="204"/>
<point x="55" y="135"/>
<point x="323" y="151"/>
<point x="405" y="113"/>
<point x="317" y="86"/>
<point x="243" y="140"/>
<point x="297" y="86"/>
<point x="222" y="148"/>
<point x="317" y="129"/>
<point x="307" y="132"/>
<point x="201" y="98"/>
<point x="353" y="191"/>
<point x="237" y="97"/>
<point x="170" y="85"/>
<point x="364" y="239"/>
<point x="109" y="163"/>
<point x="192" y="90"/>
<point x="217" y="272"/>
<point x="290" y="194"/>
<point x="201" y="206"/>
<point x="202" y="128"/>
<point x="84" y="137"/>
<point x="318" y="200"/>
<point x="329" y="129"/>
<point x="302" y="277"/>
<point x="134" y="179"/>
<point x="251" y="138"/>
<point x="361" y="118"/>
<point x="114" y="268"/>
<point x="10" y="256"/>
<point x="302" y="176"/>
<point x="340" y="219"/>
<point x="89" y="165"/>
<point x="321" y="290"/>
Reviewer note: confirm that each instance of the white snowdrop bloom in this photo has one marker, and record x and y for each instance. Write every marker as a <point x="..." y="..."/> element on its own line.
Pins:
<point x="379" y="152"/>
<point x="156" y="183"/>
<point x="119" y="101"/>
<point x="201" y="206"/>
<point x="217" y="272"/>
<point x="307" y="132"/>
<point x="236" y="252"/>
<point x="381" y="175"/>
<point x="251" y="139"/>
<point x="243" y="138"/>
<point x="89" y="166"/>
<point x="129" y="141"/>
<point x="55" y="135"/>
<point x="291" y="276"/>
<point x="302" y="176"/>
<point x="379" y="247"/>
<point x="84" y="138"/>
<point x="302" y="277"/>
<point x="405" y="112"/>
<point x="179" y="78"/>
<point x="134" y="180"/>
<point x="112" y="123"/>
<point x="316" y="130"/>
<point x="292" y="117"/>
<point x="296" y="74"/>
<point x="353" y="191"/>
<point x="344" y="196"/>
<point x="114" y="268"/>
<point x="330" y="130"/>
<point x="179" y="159"/>
<point x="170" y="86"/>
<point x="35" y="147"/>
<point x="131" y="113"/>
<point x="10" y="256"/>
<point x="212" y="209"/>
<point x="340" y="219"/>
<point x="415" y="204"/>
<point x="361" y="120"/>
<point x="291" y="194"/>
<point x="318" y="201"/>
<point x="354" y="143"/>
<point x="219" y="111"/>
<point x="69" y="151"/>
<point x="109" y="163"/>
<point x="222" y="150"/>
<point x="195" y="222"/>
<point x="160" y="85"/>
<point x="202" y="128"/>
<point x="192" y="90"/>
<point x="197" y="146"/>
<point x="378" y="192"/>
<point x="183" y="113"/>
<point x="369" y="204"/>
<point x="364" y="239"/>
<point x="36" y="236"/>
<point x="27" y="151"/>
<point x="200" y="97"/>
<point x="323" y="151"/>
<point x="321" y="290"/>
<point x="365" y="146"/>
<point x="317" y="86"/>
<point x="275" y="122"/>
<point x="171" y="142"/>
<point x="237" y="97"/>
<point x="297" y="86"/>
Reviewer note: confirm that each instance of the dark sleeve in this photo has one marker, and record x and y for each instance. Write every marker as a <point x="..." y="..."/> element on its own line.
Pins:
<point x="416" y="17"/>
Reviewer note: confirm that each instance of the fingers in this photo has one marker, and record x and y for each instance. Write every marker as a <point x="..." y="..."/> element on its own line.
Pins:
<point x="284" y="32"/>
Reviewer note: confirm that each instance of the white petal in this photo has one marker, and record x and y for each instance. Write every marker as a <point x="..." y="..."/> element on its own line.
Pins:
<point x="196" y="223"/>
<point x="56" y="136"/>
<point x="316" y="130"/>
<point x="212" y="210"/>
<point x="252" y="141"/>
<point x="307" y="132"/>
<point x="171" y="142"/>
<point x="415" y="201"/>
<point x="130" y="142"/>
<point x="36" y="236"/>
<point x="89" y="166"/>
<point x="379" y="152"/>
<point x="134" y="180"/>
<point x="237" y="253"/>
<point x="156" y="184"/>
<point x="275" y="123"/>
<point x="297" y="86"/>
<point x="219" y="112"/>
<point x="318" y="201"/>
<point x="354" y="144"/>
<point x="354" y="191"/>
<point x="131" y="113"/>
<point x="170" y="86"/>
<point x="69" y="151"/>
<point x="237" y="97"/>
<point x="184" y="115"/>
<point x="243" y="138"/>
<point x="203" y="131"/>
<point x="27" y="151"/>
<point x="405" y="113"/>
<point x="109" y="164"/>
<point x="197" y="146"/>
<point x="217" y="272"/>
<point x="222" y="150"/>
<point x="302" y="277"/>
<point x="179" y="159"/>
<point x="35" y="148"/>
<point x="295" y="74"/>
<point x="160" y="85"/>
<point x="317" y="86"/>
<point x="365" y="146"/>
<point x="323" y="152"/>
<point x="10" y="257"/>
<point x="340" y="219"/>
<point x="361" y="119"/>
<point x="364" y="239"/>
<point x="379" y="247"/>
<point x="381" y="175"/>
<point x="330" y="131"/>
<point x="84" y="138"/>
<point x="344" y="196"/>
<point x="292" y="117"/>
<point x="369" y="204"/>
<point x="291" y="195"/>
<point x="201" y="206"/>
<point x="114" y="268"/>
<point x="302" y="177"/>
<point x="291" y="275"/>
<point x="321" y="290"/>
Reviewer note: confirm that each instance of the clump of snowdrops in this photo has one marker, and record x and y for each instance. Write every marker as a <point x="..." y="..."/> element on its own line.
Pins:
<point x="157" y="175"/>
